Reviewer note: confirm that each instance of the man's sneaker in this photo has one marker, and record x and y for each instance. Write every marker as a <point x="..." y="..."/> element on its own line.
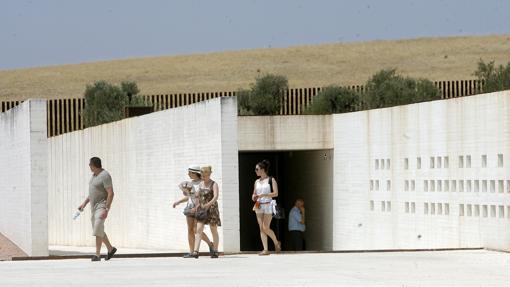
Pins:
<point x="215" y="254"/>
<point x="195" y="255"/>
<point x="111" y="253"/>
<point x="95" y="258"/>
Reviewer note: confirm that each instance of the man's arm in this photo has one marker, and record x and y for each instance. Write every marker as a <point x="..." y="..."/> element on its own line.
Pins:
<point x="82" y="206"/>
<point x="302" y="215"/>
<point x="108" y="186"/>
<point x="109" y="199"/>
<point x="296" y="215"/>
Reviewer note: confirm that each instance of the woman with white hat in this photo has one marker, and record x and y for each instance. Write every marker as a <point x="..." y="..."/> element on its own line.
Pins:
<point x="190" y="191"/>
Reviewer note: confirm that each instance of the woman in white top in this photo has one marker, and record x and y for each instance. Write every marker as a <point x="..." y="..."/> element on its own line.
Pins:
<point x="263" y="195"/>
<point x="190" y="191"/>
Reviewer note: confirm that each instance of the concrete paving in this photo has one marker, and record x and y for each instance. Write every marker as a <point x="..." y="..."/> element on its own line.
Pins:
<point x="447" y="268"/>
<point x="58" y="250"/>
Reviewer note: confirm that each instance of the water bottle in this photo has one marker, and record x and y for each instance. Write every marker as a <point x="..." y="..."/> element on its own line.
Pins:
<point x="76" y="214"/>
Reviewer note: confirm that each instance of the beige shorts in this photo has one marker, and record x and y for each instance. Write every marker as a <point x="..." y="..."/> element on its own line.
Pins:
<point x="265" y="208"/>
<point x="97" y="222"/>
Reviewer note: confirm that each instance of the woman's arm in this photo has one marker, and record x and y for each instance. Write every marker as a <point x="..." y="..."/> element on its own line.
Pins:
<point x="216" y="191"/>
<point x="184" y="199"/>
<point x="275" y="190"/>
<point x="254" y="195"/>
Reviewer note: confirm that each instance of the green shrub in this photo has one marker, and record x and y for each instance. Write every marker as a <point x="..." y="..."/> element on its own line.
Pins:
<point x="130" y="90"/>
<point x="105" y="103"/>
<point x="494" y="78"/>
<point x="334" y="99"/>
<point x="386" y="88"/>
<point x="264" y="97"/>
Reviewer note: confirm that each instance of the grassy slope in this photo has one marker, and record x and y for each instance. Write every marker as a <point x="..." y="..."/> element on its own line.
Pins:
<point x="305" y="66"/>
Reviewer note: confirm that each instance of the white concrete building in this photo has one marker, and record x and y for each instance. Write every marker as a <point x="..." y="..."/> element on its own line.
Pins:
<point x="428" y="175"/>
<point x="147" y="158"/>
<point x="23" y="177"/>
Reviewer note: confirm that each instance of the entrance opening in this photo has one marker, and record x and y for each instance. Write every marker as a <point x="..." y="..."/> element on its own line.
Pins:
<point x="306" y="174"/>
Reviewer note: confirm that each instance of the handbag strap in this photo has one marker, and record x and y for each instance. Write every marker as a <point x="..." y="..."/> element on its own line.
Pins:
<point x="270" y="181"/>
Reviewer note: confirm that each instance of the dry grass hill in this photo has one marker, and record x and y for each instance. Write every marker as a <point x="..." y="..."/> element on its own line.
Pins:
<point x="452" y="58"/>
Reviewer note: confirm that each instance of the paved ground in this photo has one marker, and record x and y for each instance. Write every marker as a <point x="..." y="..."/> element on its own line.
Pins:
<point x="450" y="268"/>
<point x="9" y="249"/>
<point x="77" y="250"/>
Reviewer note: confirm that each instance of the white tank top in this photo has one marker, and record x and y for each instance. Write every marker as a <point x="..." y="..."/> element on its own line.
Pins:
<point x="262" y="187"/>
<point x="193" y="193"/>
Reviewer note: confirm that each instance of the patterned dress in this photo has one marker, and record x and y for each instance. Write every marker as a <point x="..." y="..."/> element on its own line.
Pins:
<point x="206" y="194"/>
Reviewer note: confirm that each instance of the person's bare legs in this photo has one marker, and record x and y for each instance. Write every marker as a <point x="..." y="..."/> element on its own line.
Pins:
<point x="267" y="229"/>
<point x="198" y="235"/>
<point x="215" y="236"/>
<point x="192" y="227"/>
<point x="107" y="243"/>
<point x="206" y="239"/>
<point x="263" y="235"/>
<point x="191" y="232"/>
<point x="99" y="242"/>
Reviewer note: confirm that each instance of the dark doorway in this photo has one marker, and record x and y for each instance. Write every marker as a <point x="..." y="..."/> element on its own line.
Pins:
<point x="300" y="174"/>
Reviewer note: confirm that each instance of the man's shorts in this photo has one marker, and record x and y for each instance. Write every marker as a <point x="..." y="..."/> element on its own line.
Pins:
<point x="97" y="222"/>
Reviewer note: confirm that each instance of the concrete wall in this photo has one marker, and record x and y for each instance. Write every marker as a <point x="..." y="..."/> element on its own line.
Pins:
<point x="427" y="175"/>
<point x="147" y="157"/>
<point x="23" y="174"/>
<point x="271" y="133"/>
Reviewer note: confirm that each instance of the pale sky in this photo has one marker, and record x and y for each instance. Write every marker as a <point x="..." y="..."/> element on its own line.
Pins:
<point x="54" y="32"/>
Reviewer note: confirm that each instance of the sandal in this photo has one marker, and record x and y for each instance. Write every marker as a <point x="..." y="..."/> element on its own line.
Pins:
<point x="188" y="255"/>
<point x="278" y="247"/>
<point x="264" y="253"/>
<point x="211" y="249"/>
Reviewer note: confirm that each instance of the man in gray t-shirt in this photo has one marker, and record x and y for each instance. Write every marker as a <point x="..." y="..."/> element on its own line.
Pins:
<point x="100" y="198"/>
